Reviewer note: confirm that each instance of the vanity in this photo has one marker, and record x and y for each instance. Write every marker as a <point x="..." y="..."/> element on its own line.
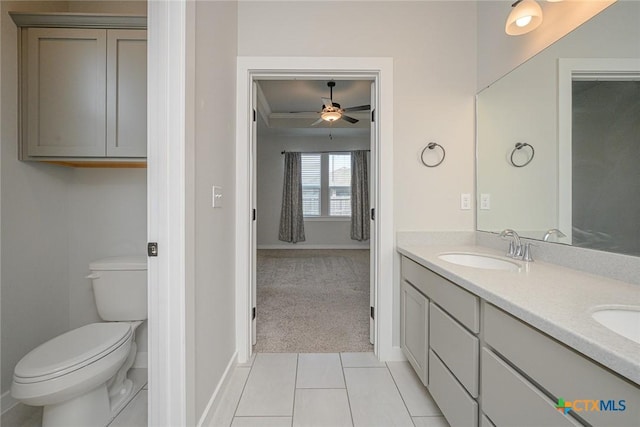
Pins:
<point x="501" y="346"/>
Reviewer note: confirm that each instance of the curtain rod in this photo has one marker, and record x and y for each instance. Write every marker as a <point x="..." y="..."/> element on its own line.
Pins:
<point x="320" y="152"/>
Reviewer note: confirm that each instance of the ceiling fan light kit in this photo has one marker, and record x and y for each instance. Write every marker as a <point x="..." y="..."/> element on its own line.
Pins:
<point x="332" y="111"/>
<point x="331" y="116"/>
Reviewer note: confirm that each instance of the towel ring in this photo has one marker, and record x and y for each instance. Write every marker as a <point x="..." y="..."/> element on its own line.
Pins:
<point x="519" y="146"/>
<point x="431" y="146"/>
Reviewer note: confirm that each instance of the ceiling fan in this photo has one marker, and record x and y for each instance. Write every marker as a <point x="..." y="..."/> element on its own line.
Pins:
<point x="332" y="111"/>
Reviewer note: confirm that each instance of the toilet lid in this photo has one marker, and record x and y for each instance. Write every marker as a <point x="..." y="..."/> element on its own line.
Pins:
<point x="72" y="350"/>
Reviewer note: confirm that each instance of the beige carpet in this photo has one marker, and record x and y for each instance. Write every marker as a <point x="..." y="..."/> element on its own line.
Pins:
<point x="313" y="301"/>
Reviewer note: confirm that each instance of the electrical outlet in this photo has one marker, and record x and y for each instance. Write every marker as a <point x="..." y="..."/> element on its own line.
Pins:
<point x="485" y="201"/>
<point x="465" y="201"/>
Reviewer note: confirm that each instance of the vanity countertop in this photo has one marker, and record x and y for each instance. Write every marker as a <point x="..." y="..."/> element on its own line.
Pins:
<point x="554" y="299"/>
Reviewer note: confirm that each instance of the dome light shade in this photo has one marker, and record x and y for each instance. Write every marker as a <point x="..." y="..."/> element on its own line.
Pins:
<point x="331" y="116"/>
<point x="525" y="16"/>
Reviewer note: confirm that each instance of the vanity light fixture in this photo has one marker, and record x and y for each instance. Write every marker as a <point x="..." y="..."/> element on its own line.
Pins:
<point x="525" y="16"/>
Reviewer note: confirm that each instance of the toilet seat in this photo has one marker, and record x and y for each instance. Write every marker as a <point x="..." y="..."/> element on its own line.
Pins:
<point x="71" y="351"/>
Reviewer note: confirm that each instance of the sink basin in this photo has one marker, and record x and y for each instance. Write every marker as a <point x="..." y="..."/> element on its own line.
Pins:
<point x="622" y="321"/>
<point x="486" y="262"/>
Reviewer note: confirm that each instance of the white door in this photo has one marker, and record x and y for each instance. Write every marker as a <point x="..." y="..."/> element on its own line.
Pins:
<point x="373" y="178"/>
<point x="254" y="207"/>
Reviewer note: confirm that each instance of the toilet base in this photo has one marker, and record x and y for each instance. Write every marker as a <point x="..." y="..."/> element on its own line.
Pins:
<point x="92" y="409"/>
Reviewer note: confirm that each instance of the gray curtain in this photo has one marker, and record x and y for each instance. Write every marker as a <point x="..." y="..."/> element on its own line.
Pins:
<point x="291" y="218"/>
<point x="359" y="196"/>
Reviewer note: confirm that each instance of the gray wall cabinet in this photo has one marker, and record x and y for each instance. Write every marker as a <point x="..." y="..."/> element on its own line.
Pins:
<point x="83" y="93"/>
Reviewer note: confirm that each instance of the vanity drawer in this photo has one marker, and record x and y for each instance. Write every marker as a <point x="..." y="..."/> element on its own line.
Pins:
<point x="462" y="305"/>
<point x="456" y="347"/>
<point x="561" y="371"/>
<point x="457" y="406"/>
<point x="485" y="422"/>
<point x="510" y="400"/>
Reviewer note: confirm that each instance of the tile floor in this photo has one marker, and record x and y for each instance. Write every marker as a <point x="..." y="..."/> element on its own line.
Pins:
<point x="134" y="414"/>
<point x="325" y="389"/>
<point x="311" y="389"/>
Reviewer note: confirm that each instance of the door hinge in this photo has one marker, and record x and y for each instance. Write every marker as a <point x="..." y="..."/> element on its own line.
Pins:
<point x="152" y="249"/>
<point x="254" y="215"/>
<point x="253" y="313"/>
<point x="373" y="313"/>
<point x="255" y="116"/>
<point x="373" y="214"/>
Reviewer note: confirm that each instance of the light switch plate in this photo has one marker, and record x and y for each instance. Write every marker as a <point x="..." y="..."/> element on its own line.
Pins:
<point x="216" y="197"/>
<point x="465" y="201"/>
<point x="485" y="201"/>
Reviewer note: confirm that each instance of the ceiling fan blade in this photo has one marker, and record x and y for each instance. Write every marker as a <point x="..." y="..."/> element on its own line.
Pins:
<point x="349" y="119"/>
<point x="358" y="108"/>
<point x="327" y="102"/>
<point x="317" y="122"/>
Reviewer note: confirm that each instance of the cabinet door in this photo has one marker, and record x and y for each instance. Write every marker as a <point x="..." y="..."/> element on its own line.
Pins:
<point x="126" y="93"/>
<point x="66" y="92"/>
<point x="414" y="329"/>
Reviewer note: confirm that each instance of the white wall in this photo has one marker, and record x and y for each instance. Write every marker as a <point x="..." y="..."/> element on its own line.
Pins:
<point x="107" y="216"/>
<point x="321" y="233"/>
<point x="215" y="93"/>
<point x="55" y="219"/>
<point x="35" y="304"/>
<point x="433" y="47"/>
<point x="499" y="53"/>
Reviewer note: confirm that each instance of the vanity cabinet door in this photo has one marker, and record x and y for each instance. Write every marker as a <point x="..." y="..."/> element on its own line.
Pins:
<point x="414" y="339"/>
<point x="65" y="73"/>
<point x="126" y="93"/>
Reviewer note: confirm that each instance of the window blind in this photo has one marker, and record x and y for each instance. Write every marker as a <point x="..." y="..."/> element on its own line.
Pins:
<point x="311" y="179"/>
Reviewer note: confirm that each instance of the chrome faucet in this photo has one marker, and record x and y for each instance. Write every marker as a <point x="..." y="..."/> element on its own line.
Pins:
<point x="515" y="247"/>
<point x="551" y="232"/>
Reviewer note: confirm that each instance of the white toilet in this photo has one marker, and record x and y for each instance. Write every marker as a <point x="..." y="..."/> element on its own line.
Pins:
<point x="80" y="377"/>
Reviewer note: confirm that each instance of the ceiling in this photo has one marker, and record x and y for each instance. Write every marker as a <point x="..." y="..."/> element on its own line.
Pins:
<point x="291" y="106"/>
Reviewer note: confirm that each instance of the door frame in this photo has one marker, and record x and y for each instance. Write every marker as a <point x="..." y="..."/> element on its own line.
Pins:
<point x="381" y="71"/>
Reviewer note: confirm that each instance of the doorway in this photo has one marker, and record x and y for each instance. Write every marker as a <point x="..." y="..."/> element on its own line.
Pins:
<point x="377" y="70"/>
<point x="314" y="295"/>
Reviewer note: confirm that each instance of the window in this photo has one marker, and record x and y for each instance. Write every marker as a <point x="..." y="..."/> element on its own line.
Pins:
<point x="326" y="185"/>
<point x="311" y="184"/>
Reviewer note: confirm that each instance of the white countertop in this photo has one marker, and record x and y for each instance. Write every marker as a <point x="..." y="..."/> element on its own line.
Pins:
<point x="554" y="299"/>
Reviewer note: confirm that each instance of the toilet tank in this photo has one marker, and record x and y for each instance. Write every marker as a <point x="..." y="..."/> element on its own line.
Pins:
<point x="120" y="287"/>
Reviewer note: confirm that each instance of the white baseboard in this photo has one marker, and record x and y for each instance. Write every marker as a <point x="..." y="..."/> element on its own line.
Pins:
<point x="214" y="401"/>
<point x="300" y="246"/>
<point x="142" y="360"/>
<point x="7" y="401"/>
<point x="393" y="354"/>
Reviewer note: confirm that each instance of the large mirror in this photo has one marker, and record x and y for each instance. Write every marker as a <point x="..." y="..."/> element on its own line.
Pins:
<point x="558" y="139"/>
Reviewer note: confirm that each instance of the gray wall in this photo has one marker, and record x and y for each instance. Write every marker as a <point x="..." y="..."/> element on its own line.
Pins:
<point x="329" y="233"/>
<point x="213" y="313"/>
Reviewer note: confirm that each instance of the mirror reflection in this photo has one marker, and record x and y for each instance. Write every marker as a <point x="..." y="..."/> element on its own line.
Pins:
<point x="558" y="139"/>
